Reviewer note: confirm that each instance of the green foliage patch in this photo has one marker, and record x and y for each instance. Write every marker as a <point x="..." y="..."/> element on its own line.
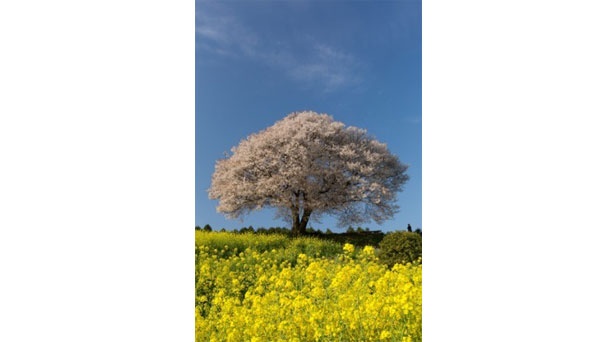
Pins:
<point x="400" y="248"/>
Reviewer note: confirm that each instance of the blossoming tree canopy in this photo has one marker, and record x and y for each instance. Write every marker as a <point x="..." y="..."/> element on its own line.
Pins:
<point x="307" y="165"/>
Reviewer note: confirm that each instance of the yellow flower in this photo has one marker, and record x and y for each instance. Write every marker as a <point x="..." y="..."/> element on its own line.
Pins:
<point x="348" y="248"/>
<point x="368" y="250"/>
<point x="263" y="297"/>
<point x="302" y="258"/>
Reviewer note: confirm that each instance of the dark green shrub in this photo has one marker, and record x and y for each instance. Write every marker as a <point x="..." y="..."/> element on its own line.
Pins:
<point x="400" y="248"/>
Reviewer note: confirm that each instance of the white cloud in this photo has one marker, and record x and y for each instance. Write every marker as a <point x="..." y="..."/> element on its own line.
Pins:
<point x="211" y="33"/>
<point x="225" y="35"/>
<point x="412" y="119"/>
<point x="330" y="67"/>
<point x="317" y="65"/>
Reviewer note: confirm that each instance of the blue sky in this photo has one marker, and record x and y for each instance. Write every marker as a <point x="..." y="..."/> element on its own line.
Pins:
<point x="257" y="61"/>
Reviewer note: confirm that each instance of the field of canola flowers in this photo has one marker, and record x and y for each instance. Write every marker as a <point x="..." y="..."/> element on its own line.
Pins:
<point x="253" y="287"/>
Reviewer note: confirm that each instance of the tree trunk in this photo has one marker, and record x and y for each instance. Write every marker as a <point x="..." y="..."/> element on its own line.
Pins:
<point x="304" y="221"/>
<point x="299" y="226"/>
<point x="295" y="218"/>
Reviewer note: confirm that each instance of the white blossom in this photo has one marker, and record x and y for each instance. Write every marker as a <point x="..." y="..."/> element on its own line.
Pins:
<point x="307" y="165"/>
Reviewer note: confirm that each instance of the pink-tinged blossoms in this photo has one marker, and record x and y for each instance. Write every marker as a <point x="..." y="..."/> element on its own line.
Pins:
<point x="307" y="165"/>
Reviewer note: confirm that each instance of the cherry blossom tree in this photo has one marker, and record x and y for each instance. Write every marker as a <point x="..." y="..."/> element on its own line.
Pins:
<point x="307" y="165"/>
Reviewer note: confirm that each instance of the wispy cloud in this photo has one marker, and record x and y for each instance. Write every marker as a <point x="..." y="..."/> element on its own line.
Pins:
<point x="226" y="36"/>
<point x="416" y="119"/>
<point x="315" y="64"/>
<point x="331" y="67"/>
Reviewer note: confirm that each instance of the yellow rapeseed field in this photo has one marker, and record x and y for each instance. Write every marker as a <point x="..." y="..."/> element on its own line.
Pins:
<point x="288" y="295"/>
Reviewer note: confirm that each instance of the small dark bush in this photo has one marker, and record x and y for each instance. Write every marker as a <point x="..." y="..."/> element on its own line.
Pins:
<point x="245" y="230"/>
<point x="400" y="248"/>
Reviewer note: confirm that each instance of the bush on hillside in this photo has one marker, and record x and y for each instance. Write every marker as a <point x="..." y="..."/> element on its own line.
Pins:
<point x="400" y="248"/>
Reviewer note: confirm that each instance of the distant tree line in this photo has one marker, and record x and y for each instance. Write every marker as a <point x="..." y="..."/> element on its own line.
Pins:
<point x="249" y="229"/>
<point x="284" y="230"/>
<point x="309" y="230"/>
